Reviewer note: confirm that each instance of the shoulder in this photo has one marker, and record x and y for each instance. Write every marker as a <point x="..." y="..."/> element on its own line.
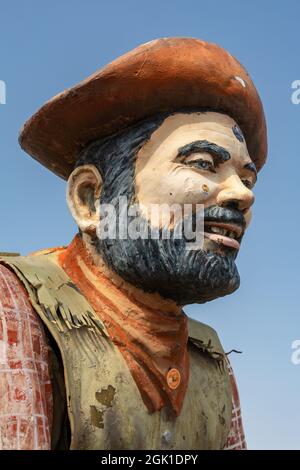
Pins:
<point x="11" y="288"/>
<point x="205" y="338"/>
<point x="17" y="314"/>
<point x="18" y="319"/>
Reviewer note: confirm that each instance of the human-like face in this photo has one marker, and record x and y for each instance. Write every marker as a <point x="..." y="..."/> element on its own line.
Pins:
<point x="199" y="158"/>
<point x="187" y="158"/>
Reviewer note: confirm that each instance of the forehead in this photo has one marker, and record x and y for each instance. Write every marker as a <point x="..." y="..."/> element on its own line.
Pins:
<point x="182" y="128"/>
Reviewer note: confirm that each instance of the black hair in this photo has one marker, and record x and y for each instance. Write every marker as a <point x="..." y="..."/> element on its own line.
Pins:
<point x="114" y="157"/>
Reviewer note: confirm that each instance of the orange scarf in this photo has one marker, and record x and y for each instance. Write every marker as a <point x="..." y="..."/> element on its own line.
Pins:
<point x="153" y="343"/>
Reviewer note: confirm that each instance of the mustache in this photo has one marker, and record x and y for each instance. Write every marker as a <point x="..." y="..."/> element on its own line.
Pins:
<point x="224" y="214"/>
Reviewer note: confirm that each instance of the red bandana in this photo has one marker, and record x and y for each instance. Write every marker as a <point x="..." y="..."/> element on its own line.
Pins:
<point x="153" y="343"/>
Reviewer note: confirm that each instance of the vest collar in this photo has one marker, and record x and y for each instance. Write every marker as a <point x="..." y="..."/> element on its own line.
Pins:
<point x="152" y="341"/>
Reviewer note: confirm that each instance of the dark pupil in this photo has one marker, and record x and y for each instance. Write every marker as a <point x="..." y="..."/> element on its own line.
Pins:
<point x="204" y="164"/>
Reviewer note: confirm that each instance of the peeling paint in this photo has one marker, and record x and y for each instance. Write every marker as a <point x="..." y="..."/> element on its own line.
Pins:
<point x="106" y="396"/>
<point x="96" y="417"/>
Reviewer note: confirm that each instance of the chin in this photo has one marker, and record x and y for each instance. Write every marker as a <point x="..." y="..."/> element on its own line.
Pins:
<point x="226" y="287"/>
<point x="200" y="277"/>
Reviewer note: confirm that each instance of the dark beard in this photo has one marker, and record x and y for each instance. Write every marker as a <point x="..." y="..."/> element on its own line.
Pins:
<point x="168" y="268"/>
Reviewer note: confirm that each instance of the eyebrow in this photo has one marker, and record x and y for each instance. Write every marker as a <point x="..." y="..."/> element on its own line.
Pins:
<point x="220" y="154"/>
<point x="251" y="167"/>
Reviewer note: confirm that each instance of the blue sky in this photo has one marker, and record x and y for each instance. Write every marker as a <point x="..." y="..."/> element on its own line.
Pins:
<point x="46" y="47"/>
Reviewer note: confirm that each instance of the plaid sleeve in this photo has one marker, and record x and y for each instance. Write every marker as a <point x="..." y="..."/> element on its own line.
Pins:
<point x="236" y="437"/>
<point x="25" y="386"/>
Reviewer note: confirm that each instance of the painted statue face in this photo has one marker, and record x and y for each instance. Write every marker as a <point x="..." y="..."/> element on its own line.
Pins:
<point x="199" y="158"/>
<point x="186" y="158"/>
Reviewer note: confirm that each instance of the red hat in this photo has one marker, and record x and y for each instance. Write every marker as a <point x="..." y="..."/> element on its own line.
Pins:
<point x="160" y="76"/>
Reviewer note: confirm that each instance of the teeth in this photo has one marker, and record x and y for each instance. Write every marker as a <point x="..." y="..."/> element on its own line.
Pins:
<point x="223" y="231"/>
<point x="217" y="230"/>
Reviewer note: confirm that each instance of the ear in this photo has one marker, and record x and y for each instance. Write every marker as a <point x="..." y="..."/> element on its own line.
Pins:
<point x="83" y="192"/>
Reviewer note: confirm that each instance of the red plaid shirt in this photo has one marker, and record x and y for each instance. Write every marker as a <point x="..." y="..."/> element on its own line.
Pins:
<point x="236" y="437"/>
<point x="26" y="394"/>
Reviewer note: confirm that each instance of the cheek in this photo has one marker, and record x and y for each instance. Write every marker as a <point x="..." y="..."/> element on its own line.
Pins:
<point x="176" y="185"/>
<point x="189" y="187"/>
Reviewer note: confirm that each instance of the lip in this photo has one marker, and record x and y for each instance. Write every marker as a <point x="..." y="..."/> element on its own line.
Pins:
<point x="222" y="239"/>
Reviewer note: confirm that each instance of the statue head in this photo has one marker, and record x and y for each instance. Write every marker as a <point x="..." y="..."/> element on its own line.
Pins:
<point x="185" y="158"/>
<point x="198" y="141"/>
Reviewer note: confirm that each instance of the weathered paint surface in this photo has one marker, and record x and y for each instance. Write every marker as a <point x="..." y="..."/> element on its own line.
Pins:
<point x="236" y="437"/>
<point x="106" y="395"/>
<point x="192" y="74"/>
<point x="25" y="387"/>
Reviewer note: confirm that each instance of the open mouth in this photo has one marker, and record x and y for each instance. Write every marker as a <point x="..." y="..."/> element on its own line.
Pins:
<point x="223" y="233"/>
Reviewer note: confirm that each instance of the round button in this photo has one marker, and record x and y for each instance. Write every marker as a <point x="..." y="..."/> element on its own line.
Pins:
<point x="173" y="378"/>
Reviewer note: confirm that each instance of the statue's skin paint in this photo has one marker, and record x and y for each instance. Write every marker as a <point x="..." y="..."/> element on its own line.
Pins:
<point x="163" y="177"/>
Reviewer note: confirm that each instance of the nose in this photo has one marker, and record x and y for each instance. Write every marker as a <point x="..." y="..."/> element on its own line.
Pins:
<point x="235" y="193"/>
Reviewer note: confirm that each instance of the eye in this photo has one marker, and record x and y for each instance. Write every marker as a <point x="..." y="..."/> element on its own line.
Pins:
<point x="206" y="164"/>
<point x="203" y="164"/>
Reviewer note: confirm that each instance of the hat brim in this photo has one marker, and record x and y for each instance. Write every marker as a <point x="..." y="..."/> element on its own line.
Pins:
<point x="160" y="76"/>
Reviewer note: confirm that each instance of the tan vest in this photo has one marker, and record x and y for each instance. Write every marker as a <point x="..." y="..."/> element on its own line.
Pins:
<point x="105" y="408"/>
